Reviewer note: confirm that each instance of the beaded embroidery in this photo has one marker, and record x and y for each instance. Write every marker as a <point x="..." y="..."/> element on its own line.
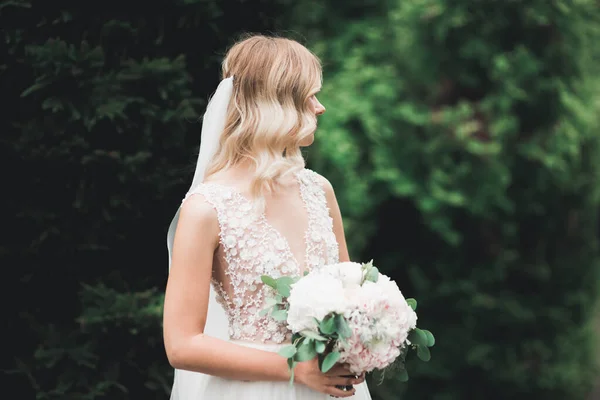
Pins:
<point x="251" y="247"/>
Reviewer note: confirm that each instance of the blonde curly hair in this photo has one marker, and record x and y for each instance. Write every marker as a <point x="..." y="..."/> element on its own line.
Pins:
<point x="269" y="116"/>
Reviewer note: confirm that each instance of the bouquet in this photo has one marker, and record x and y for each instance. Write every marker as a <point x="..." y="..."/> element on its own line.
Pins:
<point x="348" y="313"/>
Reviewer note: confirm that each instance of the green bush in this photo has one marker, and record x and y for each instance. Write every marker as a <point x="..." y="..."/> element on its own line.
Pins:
<point x="100" y="124"/>
<point x="461" y="137"/>
<point x="462" y="140"/>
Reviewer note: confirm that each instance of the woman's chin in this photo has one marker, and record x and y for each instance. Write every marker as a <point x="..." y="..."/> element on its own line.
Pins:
<point x="307" y="141"/>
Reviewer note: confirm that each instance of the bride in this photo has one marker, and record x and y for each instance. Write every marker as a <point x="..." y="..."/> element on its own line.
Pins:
<point x="252" y="209"/>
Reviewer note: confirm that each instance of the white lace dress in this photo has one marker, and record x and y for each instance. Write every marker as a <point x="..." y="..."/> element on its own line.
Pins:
<point x="250" y="247"/>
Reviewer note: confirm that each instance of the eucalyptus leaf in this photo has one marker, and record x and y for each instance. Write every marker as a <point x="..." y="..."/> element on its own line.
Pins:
<point x="287" y="351"/>
<point x="418" y="337"/>
<point x="320" y="347"/>
<point x="312" y="335"/>
<point x="430" y="338"/>
<point x="270" y="302"/>
<point x="291" y="364"/>
<point x="372" y="275"/>
<point x="284" y="285"/>
<point x="284" y="289"/>
<point x="265" y="311"/>
<point x="412" y="303"/>
<point x="267" y="280"/>
<point x="329" y="361"/>
<point x="423" y="353"/>
<point x="306" y="351"/>
<point x="341" y="326"/>
<point x="279" y="315"/>
<point x="402" y="375"/>
<point x="327" y="326"/>
<point x="288" y="280"/>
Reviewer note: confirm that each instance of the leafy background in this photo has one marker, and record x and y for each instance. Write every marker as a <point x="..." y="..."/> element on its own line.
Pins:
<point x="461" y="137"/>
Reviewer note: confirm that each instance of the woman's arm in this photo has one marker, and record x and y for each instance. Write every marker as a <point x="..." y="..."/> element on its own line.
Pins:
<point x="186" y="305"/>
<point x="336" y="215"/>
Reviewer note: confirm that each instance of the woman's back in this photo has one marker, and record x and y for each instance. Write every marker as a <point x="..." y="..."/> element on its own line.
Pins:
<point x="294" y="234"/>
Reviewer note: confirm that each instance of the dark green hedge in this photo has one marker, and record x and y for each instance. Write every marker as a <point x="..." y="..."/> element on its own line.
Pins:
<point x="101" y="101"/>
<point x="461" y="137"/>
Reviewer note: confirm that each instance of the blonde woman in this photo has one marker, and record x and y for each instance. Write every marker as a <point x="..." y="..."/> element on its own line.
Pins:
<point x="252" y="209"/>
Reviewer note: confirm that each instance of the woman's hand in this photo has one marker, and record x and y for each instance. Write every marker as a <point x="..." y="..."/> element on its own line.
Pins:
<point x="309" y="374"/>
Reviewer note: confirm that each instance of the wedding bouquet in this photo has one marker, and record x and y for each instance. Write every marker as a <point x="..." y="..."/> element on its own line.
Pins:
<point x="348" y="313"/>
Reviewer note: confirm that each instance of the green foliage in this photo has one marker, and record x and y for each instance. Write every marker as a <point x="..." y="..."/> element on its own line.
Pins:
<point x="330" y="360"/>
<point x="101" y="109"/>
<point x="465" y="135"/>
<point x="461" y="137"/>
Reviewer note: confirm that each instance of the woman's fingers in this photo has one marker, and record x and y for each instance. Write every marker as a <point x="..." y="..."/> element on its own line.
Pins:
<point x="339" y="369"/>
<point x="336" y="392"/>
<point x="341" y="381"/>
<point x="360" y="379"/>
<point x="332" y="382"/>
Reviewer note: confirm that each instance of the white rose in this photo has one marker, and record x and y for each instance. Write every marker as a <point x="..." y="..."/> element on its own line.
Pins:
<point x="350" y="273"/>
<point x="313" y="297"/>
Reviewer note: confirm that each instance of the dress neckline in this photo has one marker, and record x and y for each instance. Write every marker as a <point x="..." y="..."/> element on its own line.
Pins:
<point x="300" y="268"/>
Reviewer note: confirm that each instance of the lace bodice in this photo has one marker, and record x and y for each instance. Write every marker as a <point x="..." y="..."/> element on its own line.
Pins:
<point x="250" y="247"/>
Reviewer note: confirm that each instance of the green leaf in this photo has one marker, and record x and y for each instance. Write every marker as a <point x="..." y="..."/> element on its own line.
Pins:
<point x="287" y="351"/>
<point x="372" y="275"/>
<point x="418" y="337"/>
<point x="291" y="364"/>
<point x="430" y="338"/>
<point x="423" y="353"/>
<point x="320" y="347"/>
<point x="279" y="315"/>
<point x="284" y="285"/>
<point x="312" y="335"/>
<point x="287" y="280"/>
<point x="270" y="302"/>
<point x="306" y="351"/>
<point x="341" y="326"/>
<point x="412" y="303"/>
<point x="33" y="88"/>
<point x="402" y="375"/>
<point x="329" y="361"/>
<point x="267" y="280"/>
<point x="327" y="326"/>
<point x="265" y="311"/>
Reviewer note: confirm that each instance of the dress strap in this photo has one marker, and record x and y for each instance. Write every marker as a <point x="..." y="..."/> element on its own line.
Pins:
<point x="320" y="223"/>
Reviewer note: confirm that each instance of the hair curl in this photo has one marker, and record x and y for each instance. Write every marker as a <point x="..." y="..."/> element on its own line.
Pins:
<point x="269" y="115"/>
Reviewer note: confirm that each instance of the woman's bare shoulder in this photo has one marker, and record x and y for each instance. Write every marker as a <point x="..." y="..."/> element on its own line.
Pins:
<point x="196" y="208"/>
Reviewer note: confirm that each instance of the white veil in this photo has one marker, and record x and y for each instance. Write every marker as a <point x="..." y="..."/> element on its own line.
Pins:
<point x="187" y="384"/>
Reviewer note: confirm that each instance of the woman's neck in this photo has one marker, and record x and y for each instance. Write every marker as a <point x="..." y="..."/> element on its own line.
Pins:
<point x="241" y="172"/>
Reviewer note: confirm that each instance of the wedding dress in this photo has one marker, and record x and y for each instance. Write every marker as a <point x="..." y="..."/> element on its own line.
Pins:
<point x="251" y="246"/>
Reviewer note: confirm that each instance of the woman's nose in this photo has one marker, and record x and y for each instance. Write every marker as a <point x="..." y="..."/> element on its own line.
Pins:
<point x="320" y="109"/>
